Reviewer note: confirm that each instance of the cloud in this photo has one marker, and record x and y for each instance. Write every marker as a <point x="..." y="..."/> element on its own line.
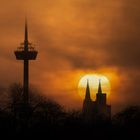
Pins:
<point x="73" y="36"/>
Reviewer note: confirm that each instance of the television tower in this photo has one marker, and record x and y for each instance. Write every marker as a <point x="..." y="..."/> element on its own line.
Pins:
<point x="26" y="52"/>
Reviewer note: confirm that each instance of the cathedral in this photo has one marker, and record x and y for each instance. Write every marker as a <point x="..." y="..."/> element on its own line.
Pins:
<point x="98" y="109"/>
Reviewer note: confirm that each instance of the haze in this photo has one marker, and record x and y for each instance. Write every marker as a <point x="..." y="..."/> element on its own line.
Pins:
<point x="74" y="37"/>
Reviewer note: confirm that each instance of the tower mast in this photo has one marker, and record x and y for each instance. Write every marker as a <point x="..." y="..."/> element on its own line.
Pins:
<point x="26" y="53"/>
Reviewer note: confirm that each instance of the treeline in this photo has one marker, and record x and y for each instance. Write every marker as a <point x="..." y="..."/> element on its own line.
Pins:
<point x="46" y="117"/>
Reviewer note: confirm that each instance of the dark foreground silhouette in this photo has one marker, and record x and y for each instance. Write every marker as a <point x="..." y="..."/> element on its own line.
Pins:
<point x="47" y="118"/>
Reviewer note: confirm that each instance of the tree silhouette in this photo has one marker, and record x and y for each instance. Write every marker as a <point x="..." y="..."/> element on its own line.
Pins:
<point x="47" y="116"/>
<point x="15" y="95"/>
<point x="130" y="117"/>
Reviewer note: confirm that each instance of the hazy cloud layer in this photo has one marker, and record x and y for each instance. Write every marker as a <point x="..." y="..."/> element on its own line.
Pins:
<point x="74" y="36"/>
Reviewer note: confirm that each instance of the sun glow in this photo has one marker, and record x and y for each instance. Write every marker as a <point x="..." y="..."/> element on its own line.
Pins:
<point x="93" y="83"/>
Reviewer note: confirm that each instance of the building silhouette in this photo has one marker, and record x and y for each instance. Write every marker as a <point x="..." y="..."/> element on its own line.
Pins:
<point x="98" y="109"/>
<point x="26" y="52"/>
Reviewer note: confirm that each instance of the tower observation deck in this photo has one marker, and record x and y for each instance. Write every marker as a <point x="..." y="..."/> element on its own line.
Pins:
<point x="26" y="52"/>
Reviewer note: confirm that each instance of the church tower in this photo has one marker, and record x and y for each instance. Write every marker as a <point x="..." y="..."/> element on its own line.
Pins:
<point x="87" y="105"/>
<point x="87" y="97"/>
<point x="104" y="110"/>
<point x="100" y="96"/>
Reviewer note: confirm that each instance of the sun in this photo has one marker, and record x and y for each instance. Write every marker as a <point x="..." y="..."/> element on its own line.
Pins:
<point x="93" y="84"/>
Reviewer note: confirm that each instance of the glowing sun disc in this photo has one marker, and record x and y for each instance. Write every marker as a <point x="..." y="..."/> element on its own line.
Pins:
<point x="93" y="84"/>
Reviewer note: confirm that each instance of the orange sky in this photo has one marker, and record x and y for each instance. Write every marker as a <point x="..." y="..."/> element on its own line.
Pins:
<point x="74" y="37"/>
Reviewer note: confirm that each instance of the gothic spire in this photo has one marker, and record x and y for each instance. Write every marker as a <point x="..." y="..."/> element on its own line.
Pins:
<point x="100" y="87"/>
<point x="87" y="97"/>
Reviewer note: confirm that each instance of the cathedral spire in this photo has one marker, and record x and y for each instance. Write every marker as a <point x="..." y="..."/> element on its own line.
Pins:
<point x="100" y="87"/>
<point x="87" y="97"/>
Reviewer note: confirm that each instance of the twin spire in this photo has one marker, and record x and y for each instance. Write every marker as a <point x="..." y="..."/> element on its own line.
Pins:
<point x="87" y="97"/>
<point x="100" y="87"/>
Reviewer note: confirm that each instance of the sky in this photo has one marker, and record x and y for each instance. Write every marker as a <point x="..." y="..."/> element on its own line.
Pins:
<point x="74" y="38"/>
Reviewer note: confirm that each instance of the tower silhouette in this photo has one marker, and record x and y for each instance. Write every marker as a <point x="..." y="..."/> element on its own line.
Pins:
<point x="93" y="110"/>
<point x="87" y="97"/>
<point x="26" y="52"/>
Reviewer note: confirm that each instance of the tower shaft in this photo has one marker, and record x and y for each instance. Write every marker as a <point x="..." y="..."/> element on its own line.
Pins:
<point x="26" y="68"/>
<point x="26" y="82"/>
